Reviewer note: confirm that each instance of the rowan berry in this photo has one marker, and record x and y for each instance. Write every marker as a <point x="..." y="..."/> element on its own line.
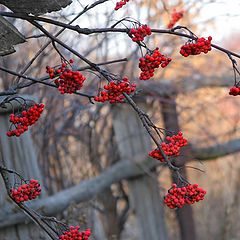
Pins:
<point x="113" y="92"/>
<point x="175" y="17"/>
<point x="21" y="121"/>
<point x="67" y="80"/>
<point x="198" y="46"/>
<point x="177" y="197"/>
<point x="138" y="34"/>
<point x="171" y="148"/>
<point x="150" y="62"/>
<point x="74" y="233"/>
<point x="26" y="191"/>
<point x="234" y="91"/>
<point x="120" y="4"/>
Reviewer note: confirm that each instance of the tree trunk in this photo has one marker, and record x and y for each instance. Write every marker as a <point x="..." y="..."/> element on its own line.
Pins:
<point x="133" y="140"/>
<point x="20" y="155"/>
<point x="110" y="216"/>
<point x="185" y="214"/>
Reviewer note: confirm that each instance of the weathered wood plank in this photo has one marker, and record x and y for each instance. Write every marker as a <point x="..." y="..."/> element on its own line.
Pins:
<point x="20" y="155"/>
<point x="9" y="36"/>
<point x="133" y="141"/>
<point x="35" y="7"/>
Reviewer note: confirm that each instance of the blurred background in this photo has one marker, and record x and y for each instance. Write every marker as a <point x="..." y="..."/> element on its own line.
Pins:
<point x="76" y="141"/>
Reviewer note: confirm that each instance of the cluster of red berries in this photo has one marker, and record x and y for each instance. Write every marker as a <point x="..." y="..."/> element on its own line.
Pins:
<point x="26" y="192"/>
<point x="24" y="119"/>
<point x="120" y="4"/>
<point x="149" y="62"/>
<point x="68" y="81"/>
<point x="172" y="148"/>
<point x="200" y="45"/>
<point x="177" y="197"/>
<point x="234" y="91"/>
<point x="175" y="17"/>
<point x="113" y="92"/>
<point x="138" y="34"/>
<point x="74" y="234"/>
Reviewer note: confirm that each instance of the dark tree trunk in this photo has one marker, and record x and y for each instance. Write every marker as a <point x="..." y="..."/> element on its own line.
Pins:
<point x="110" y="216"/>
<point x="184" y="215"/>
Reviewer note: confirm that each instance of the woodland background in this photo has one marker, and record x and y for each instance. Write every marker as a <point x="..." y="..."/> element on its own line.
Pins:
<point x="76" y="141"/>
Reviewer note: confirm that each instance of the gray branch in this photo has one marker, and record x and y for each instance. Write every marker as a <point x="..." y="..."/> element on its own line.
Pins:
<point x="216" y="151"/>
<point x="173" y="87"/>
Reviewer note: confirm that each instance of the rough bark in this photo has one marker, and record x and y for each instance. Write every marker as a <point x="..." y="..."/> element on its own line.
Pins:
<point x="9" y="36"/>
<point x="35" y="7"/>
<point x="144" y="191"/>
<point x="110" y="216"/>
<point x="231" y="227"/>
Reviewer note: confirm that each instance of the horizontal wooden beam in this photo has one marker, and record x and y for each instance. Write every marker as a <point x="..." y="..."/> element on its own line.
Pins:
<point x="9" y="36"/>
<point x="35" y="7"/>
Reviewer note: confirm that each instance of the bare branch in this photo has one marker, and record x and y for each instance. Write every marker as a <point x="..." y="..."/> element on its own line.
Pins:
<point x="216" y="151"/>
<point x="88" y="31"/>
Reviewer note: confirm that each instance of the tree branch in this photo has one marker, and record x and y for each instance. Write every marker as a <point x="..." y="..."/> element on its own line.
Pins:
<point x="88" y="31"/>
<point x="42" y="80"/>
<point x="216" y="151"/>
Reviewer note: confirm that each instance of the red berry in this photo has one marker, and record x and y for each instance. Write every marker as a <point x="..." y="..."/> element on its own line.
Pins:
<point x="150" y="62"/>
<point x="138" y="34"/>
<point x="74" y="233"/>
<point x="196" y="47"/>
<point x="175" y="17"/>
<point x="234" y="91"/>
<point x="113" y="92"/>
<point x="171" y="149"/>
<point x="68" y="81"/>
<point x="26" y="192"/>
<point x="177" y="197"/>
<point x="24" y="119"/>
<point x="120" y="4"/>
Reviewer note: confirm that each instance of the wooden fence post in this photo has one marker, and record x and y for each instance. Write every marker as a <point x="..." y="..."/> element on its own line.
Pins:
<point x="133" y="140"/>
<point x="20" y="155"/>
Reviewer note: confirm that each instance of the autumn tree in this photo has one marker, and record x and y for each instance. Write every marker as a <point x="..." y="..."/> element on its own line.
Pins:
<point x="107" y="117"/>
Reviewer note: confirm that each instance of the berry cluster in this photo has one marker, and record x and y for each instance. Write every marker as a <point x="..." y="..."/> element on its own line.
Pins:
<point x="177" y="197"/>
<point x="68" y="81"/>
<point x="138" y="34"/>
<point x="74" y="234"/>
<point x="114" y="91"/>
<point x="24" y="119"/>
<point x="149" y="62"/>
<point x="120" y="4"/>
<point x="172" y="148"/>
<point x="26" y="191"/>
<point x="200" y="45"/>
<point x="234" y="91"/>
<point x="175" y="17"/>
